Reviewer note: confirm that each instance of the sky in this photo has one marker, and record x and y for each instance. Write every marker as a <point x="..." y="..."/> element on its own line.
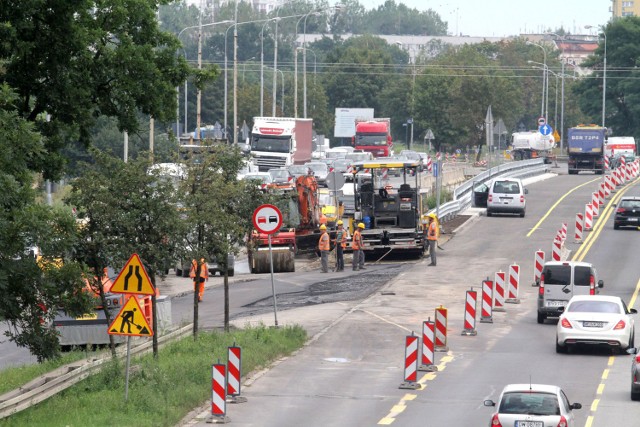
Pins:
<point x="511" y="17"/>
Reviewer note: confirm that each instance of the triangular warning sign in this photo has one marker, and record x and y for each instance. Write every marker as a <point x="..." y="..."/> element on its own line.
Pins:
<point x="133" y="279"/>
<point x="131" y="321"/>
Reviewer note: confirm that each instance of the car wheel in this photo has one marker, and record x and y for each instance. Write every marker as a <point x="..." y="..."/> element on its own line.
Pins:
<point x="231" y="272"/>
<point x="616" y="227"/>
<point x="632" y="341"/>
<point x="178" y="272"/>
<point x="635" y="395"/>
<point x="541" y="317"/>
<point x="560" y="349"/>
<point x="522" y="214"/>
<point x="489" y="213"/>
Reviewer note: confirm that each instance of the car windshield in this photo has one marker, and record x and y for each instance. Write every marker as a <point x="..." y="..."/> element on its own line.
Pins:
<point x="506" y="187"/>
<point x="358" y="157"/>
<point x="317" y="167"/>
<point x="341" y="164"/>
<point x="270" y="144"/>
<point x="629" y="204"/>
<point x="532" y="403"/>
<point x="335" y="154"/>
<point x="266" y="179"/>
<point x="279" y="174"/>
<point x="369" y="139"/>
<point x="298" y="170"/>
<point x="594" y="307"/>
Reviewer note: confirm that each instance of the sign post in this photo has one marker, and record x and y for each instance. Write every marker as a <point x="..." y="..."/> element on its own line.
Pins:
<point x="267" y="219"/>
<point x="133" y="279"/>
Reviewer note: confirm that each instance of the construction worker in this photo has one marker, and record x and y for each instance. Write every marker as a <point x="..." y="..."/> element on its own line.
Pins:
<point x="356" y="245"/>
<point x="324" y="247"/>
<point x="432" y="237"/>
<point x="199" y="276"/>
<point x="341" y="243"/>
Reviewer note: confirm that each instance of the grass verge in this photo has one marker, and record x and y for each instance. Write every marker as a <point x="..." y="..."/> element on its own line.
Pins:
<point x="162" y="391"/>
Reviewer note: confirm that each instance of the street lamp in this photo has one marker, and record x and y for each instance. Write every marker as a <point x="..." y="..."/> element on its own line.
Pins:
<point x="544" y="69"/>
<point x="295" y="58"/>
<point x="544" y="76"/>
<point x="604" y="70"/>
<point x="199" y="66"/>
<point x="276" y="19"/>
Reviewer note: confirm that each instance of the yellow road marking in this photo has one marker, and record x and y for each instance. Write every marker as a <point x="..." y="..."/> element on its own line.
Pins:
<point x="605" y="374"/>
<point x="386" y="421"/>
<point x="589" y="421"/>
<point x="398" y="409"/>
<point x="611" y="360"/>
<point x="600" y="389"/>
<point x="633" y="299"/>
<point x="535" y="227"/>
<point x="594" y="405"/>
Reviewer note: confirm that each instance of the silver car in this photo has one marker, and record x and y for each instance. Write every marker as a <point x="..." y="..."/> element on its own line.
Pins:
<point x="635" y="373"/>
<point x="533" y="405"/>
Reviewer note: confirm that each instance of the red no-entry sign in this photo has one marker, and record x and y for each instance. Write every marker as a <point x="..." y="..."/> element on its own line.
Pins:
<point x="267" y="219"/>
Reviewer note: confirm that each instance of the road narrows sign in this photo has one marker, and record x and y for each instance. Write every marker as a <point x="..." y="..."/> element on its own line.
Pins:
<point x="133" y="279"/>
<point x="131" y="321"/>
<point x="267" y="219"/>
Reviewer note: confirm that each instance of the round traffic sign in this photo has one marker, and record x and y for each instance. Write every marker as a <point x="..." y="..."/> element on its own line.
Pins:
<point x="334" y="181"/>
<point x="267" y="219"/>
<point x="545" y="129"/>
<point x="542" y="121"/>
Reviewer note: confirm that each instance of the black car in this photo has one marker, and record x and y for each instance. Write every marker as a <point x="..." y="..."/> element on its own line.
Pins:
<point x="627" y="213"/>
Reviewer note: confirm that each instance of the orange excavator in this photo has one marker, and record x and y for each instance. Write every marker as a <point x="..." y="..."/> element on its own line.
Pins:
<point x="299" y="233"/>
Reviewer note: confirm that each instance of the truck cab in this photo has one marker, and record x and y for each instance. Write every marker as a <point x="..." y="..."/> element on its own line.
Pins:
<point x="374" y="137"/>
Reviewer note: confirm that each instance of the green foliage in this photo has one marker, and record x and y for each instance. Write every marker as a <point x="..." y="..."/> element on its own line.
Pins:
<point x="79" y="60"/>
<point x="31" y="289"/>
<point x="165" y="389"/>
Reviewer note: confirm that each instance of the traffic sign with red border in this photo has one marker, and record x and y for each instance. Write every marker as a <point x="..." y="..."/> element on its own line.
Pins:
<point x="267" y="219"/>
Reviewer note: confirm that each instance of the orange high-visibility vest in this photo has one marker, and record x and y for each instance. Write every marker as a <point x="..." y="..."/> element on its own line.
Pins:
<point x="341" y="238"/>
<point x="204" y="270"/>
<point x="432" y="231"/>
<point x="323" y="244"/>
<point x="356" y="242"/>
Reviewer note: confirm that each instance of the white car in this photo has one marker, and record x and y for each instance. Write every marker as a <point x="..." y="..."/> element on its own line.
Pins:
<point x="507" y="195"/>
<point x="596" y="320"/>
<point x="533" y="405"/>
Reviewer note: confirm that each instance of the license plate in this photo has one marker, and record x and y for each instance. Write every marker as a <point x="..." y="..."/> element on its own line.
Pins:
<point x="593" y="324"/>
<point x="92" y="316"/>
<point x="529" y="424"/>
<point x="556" y="303"/>
<point x="632" y="219"/>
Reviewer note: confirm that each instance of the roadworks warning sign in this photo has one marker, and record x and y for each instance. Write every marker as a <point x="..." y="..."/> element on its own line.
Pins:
<point x="131" y="321"/>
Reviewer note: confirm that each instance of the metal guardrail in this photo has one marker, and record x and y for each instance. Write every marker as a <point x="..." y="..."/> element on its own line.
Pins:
<point x="64" y="377"/>
<point x="463" y="194"/>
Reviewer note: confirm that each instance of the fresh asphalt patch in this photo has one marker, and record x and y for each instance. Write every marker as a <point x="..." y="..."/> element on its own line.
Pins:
<point x="349" y="288"/>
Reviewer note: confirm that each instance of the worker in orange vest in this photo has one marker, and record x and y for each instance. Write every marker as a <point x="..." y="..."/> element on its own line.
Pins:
<point x="199" y="274"/>
<point x="324" y="247"/>
<point x="356" y="245"/>
<point x="432" y="237"/>
<point x="341" y="243"/>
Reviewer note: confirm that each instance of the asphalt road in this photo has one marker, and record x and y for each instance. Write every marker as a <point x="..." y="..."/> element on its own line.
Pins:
<point x="350" y="374"/>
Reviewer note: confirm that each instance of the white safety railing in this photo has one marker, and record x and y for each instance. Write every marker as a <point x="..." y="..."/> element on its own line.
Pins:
<point x="463" y="194"/>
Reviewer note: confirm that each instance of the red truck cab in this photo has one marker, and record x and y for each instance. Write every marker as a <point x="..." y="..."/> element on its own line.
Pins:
<point x="374" y="136"/>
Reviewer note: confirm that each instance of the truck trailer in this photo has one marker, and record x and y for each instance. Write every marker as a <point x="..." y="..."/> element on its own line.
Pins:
<point x="586" y="148"/>
<point x="531" y="145"/>
<point x="278" y="142"/>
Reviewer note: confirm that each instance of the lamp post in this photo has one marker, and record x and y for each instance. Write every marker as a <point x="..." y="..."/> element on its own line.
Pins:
<point x="544" y="69"/>
<point x="544" y="76"/>
<point x="295" y="59"/>
<point x="604" y="71"/>
<point x="276" y="19"/>
<point x="304" y="64"/>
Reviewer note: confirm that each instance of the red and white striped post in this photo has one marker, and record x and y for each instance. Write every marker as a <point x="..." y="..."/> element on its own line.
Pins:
<point x="627" y="172"/>
<point x="595" y="204"/>
<point x="614" y="178"/>
<point x="410" y="363"/>
<point x="441" y="329"/>
<point x="608" y="186"/>
<point x="438" y="156"/>
<point x="486" y="310"/>
<point x="429" y="164"/>
<point x="606" y="162"/>
<point x="579" y="226"/>
<point x="218" y="394"/>
<point x="498" y="291"/>
<point x="538" y="264"/>
<point x="514" y="284"/>
<point x="601" y="194"/>
<point x="563" y="231"/>
<point x="471" y="302"/>
<point x="588" y="217"/>
<point x="428" y="347"/>
<point x="234" y="374"/>
<point x="556" y="250"/>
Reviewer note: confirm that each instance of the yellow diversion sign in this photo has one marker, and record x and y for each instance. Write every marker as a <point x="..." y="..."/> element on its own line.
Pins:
<point x="133" y="279"/>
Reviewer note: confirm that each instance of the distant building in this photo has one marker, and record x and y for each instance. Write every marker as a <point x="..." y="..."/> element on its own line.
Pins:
<point x="265" y="6"/>
<point x="621" y="8"/>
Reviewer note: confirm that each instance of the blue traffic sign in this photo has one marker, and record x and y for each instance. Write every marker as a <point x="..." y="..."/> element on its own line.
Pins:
<point x="545" y="129"/>
<point x="435" y="169"/>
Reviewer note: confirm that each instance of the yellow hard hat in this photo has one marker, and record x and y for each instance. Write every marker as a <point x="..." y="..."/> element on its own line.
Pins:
<point x="432" y="215"/>
<point x="340" y="222"/>
<point x="323" y="227"/>
<point x="361" y="225"/>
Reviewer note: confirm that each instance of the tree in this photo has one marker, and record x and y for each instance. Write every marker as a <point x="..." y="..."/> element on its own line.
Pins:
<point x="622" y="106"/>
<point x="126" y="208"/>
<point x="33" y="288"/>
<point x="75" y="61"/>
<point x="217" y="211"/>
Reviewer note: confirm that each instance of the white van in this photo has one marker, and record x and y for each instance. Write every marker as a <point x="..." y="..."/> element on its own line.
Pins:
<point x="559" y="281"/>
<point x="506" y="195"/>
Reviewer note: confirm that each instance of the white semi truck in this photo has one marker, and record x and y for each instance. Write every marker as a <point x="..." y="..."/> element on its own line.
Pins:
<point x="278" y="142"/>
